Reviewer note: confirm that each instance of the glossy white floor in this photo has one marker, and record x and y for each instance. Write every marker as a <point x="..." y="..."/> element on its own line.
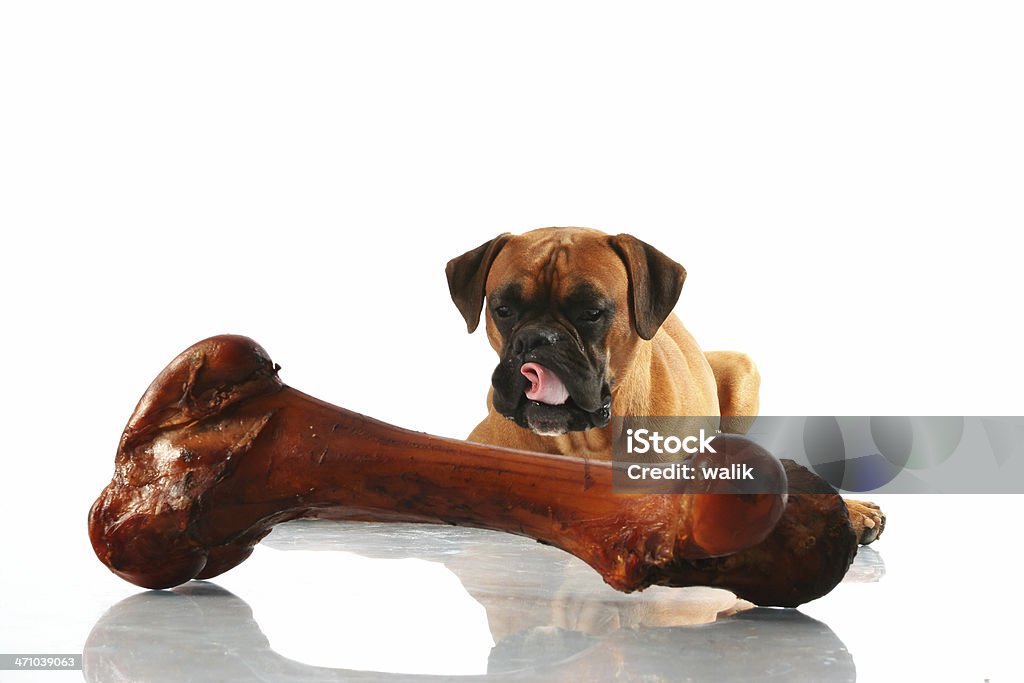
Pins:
<point x="933" y="600"/>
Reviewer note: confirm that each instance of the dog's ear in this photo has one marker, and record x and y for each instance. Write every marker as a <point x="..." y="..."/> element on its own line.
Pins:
<point x="655" y="282"/>
<point x="467" y="276"/>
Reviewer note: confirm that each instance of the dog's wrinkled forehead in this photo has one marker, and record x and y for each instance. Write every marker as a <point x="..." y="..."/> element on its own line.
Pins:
<point x="558" y="265"/>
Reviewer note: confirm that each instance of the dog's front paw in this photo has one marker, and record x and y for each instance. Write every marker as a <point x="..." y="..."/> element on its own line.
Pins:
<point x="867" y="519"/>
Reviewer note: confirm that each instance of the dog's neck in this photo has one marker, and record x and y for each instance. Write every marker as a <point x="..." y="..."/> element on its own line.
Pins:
<point x="593" y="443"/>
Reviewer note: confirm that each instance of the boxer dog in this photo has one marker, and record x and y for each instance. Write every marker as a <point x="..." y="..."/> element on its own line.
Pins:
<point x="583" y="325"/>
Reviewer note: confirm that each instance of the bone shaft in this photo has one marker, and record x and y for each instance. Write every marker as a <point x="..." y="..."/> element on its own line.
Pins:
<point x="316" y="459"/>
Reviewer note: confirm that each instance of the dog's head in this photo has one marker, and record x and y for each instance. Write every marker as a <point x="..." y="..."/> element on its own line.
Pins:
<point x="566" y="310"/>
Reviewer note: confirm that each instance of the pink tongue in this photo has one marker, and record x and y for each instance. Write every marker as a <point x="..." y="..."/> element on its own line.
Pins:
<point x="545" y="386"/>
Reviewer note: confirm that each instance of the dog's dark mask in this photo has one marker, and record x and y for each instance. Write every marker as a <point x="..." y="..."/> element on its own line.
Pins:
<point x="559" y="344"/>
<point x="553" y="376"/>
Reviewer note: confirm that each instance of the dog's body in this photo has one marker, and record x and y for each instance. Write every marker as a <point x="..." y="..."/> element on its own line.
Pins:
<point x="583" y="324"/>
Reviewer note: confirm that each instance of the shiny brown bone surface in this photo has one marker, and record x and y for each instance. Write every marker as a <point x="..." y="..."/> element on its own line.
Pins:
<point x="219" y="450"/>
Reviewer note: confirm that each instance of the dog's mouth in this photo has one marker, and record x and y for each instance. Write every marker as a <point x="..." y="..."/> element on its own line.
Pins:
<point x="539" y="400"/>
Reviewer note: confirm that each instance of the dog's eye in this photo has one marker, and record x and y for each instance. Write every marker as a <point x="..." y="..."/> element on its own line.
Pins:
<point x="503" y="311"/>
<point x="591" y="315"/>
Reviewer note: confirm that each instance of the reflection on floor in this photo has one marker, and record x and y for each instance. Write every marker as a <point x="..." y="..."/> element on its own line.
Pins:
<point x="550" y="615"/>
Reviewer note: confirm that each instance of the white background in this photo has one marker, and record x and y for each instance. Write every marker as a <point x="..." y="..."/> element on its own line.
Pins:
<point x="842" y="182"/>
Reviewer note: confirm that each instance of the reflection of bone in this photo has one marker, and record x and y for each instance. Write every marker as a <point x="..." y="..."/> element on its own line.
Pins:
<point x="219" y="450"/>
<point x="202" y="632"/>
<point x="522" y="585"/>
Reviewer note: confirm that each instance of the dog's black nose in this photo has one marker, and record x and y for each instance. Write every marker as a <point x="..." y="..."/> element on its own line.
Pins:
<point x="529" y="339"/>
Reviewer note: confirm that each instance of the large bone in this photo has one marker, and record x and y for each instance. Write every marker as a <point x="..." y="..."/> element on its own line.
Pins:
<point x="219" y="450"/>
